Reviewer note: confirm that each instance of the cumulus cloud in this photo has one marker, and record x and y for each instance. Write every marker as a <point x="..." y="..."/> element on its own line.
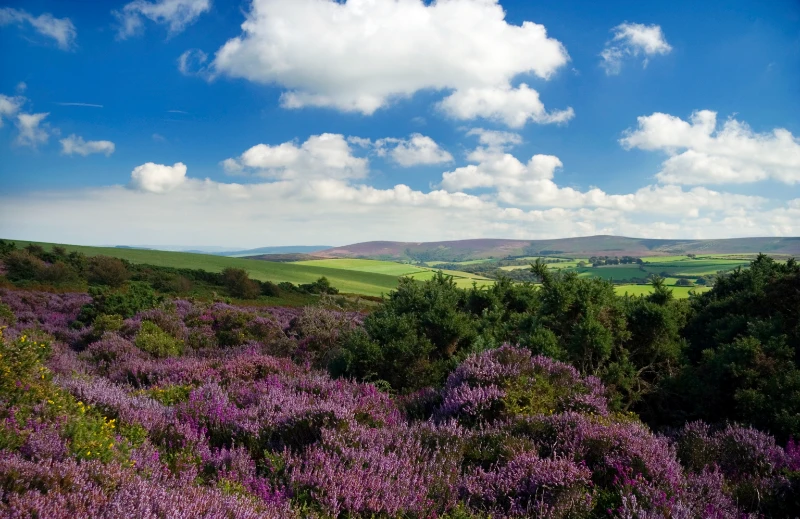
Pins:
<point x="328" y="155"/>
<point x="512" y="106"/>
<point x="701" y="153"/>
<point x="496" y="140"/>
<point x="417" y="150"/>
<point x="357" y="56"/>
<point x="9" y="106"/>
<point x="32" y="131"/>
<point x="61" y="30"/>
<point x="533" y="184"/>
<point x="630" y="41"/>
<point x="158" y="178"/>
<point x="177" y="14"/>
<point x="333" y="211"/>
<point x="75" y="144"/>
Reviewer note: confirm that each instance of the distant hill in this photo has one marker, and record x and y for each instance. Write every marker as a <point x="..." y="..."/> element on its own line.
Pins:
<point x="283" y="258"/>
<point x="289" y="249"/>
<point x="463" y="250"/>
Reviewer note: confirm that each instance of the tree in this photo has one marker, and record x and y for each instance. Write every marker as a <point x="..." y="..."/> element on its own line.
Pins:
<point x="239" y="283"/>
<point x="105" y="270"/>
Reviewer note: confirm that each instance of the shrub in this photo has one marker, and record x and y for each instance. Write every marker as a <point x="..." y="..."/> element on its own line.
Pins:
<point x="105" y="270"/>
<point x="157" y="342"/>
<point x="127" y="302"/>
<point x="320" y="286"/>
<point x="239" y="284"/>
<point x="21" y="265"/>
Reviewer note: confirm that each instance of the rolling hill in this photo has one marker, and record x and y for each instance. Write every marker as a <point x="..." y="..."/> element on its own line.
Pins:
<point x="462" y="250"/>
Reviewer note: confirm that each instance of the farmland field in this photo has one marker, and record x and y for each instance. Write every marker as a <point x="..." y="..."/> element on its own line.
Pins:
<point x="348" y="281"/>
<point x="462" y="279"/>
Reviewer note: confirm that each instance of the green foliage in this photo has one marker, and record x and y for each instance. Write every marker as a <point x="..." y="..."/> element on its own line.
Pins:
<point x="744" y="338"/>
<point x="169" y="395"/>
<point x="126" y="302"/>
<point x="105" y="323"/>
<point x="21" y="265"/>
<point x="413" y="339"/>
<point x="157" y="342"/>
<point x="105" y="270"/>
<point x="239" y="283"/>
<point x="320" y="286"/>
<point x="7" y="316"/>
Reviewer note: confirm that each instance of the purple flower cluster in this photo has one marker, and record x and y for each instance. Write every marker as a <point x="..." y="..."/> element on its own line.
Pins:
<point x="243" y="425"/>
<point x="93" y="490"/>
<point x="508" y="382"/>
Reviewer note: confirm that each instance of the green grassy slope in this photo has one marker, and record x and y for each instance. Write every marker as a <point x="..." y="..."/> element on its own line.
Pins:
<point x="349" y="281"/>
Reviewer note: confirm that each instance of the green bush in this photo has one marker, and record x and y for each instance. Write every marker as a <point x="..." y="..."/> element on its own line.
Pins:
<point x="104" y="270"/>
<point x="239" y="284"/>
<point x="126" y="302"/>
<point x="157" y="342"/>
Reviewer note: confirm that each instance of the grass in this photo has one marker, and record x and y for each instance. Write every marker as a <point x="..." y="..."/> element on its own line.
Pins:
<point x="618" y="272"/>
<point x="348" y="281"/>
<point x="364" y="265"/>
<point x="638" y="290"/>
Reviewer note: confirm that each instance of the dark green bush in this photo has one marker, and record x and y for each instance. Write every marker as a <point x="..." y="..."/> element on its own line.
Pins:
<point x="239" y="284"/>
<point x="104" y="270"/>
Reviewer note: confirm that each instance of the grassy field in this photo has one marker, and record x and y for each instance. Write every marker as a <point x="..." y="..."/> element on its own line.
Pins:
<point x="638" y="290"/>
<point x="462" y="279"/>
<point x="348" y="281"/>
<point x="364" y="265"/>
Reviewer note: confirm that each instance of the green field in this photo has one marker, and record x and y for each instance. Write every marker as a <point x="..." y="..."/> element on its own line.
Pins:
<point x="347" y="281"/>
<point x="364" y="265"/>
<point x="639" y="290"/>
<point x="462" y="279"/>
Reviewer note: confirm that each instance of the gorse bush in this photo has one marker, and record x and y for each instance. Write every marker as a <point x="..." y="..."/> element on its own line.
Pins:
<point x="156" y="341"/>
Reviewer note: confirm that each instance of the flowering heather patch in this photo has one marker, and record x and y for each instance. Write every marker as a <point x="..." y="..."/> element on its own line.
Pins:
<point x="240" y="424"/>
<point x="511" y="383"/>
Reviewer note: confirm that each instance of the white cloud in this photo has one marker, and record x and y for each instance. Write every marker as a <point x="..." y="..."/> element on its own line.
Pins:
<point x="533" y="185"/>
<point x="700" y="153"/>
<point x="310" y="200"/>
<point x="59" y="29"/>
<point x="9" y="106"/>
<point x="496" y="140"/>
<point x="32" y="131"/>
<point x="416" y="150"/>
<point x="359" y="55"/>
<point x="75" y="144"/>
<point x="158" y="178"/>
<point x="512" y="106"/>
<point x="327" y="155"/>
<point x="631" y="40"/>
<point x="334" y="212"/>
<point x="178" y="14"/>
<point x="21" y="87"/>
<point x="193" y="63"/>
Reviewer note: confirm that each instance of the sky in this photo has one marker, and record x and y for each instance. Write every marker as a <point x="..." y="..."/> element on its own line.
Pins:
<point x="289" y="122"/>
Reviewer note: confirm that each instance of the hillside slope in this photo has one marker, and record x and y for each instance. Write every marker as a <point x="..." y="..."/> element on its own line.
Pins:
<point x="577" y="247"/>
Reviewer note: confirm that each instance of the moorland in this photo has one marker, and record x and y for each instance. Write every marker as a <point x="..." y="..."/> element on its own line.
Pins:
<point x="555" y="379"/>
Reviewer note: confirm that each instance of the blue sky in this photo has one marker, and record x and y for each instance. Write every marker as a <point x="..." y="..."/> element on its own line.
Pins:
<point x="324" y="122"/>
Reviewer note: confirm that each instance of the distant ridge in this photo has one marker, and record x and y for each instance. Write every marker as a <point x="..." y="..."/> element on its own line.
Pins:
<point x="602" y="245"/>
<point x="289" y="249"/>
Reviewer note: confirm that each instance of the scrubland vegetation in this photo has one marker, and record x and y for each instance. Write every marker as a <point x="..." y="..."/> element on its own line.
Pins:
<point x="134" y="390"/>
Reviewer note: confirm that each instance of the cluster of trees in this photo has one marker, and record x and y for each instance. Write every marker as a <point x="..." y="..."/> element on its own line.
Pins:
<point x="729" y="354"/>
<point x="598" y="261"/>
<point x="70" y="269"/>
